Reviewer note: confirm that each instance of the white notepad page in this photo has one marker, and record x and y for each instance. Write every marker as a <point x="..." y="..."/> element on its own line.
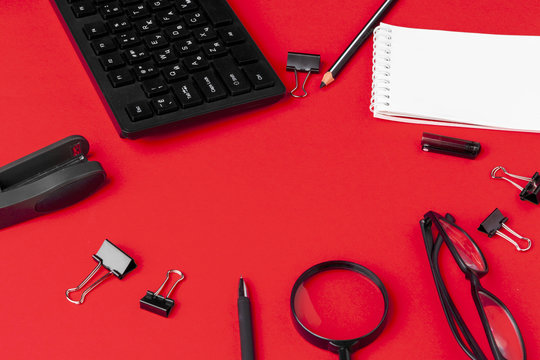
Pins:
<point x="456" y="79"/>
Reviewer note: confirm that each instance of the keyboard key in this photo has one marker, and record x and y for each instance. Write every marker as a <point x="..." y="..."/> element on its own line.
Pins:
<point x="174" y="73"/>
<point x="186" y="47"/>
<point x="244" y="54"/>
<point x="195" y="19"/>
<point x="103" y="46"/>
<point x="138" y="110"/>
<point x="94" y="30"/>
<point x="218" y="12"/>
<point x="120" y="24"/>
<point x="232" y="76"/>
<point x="137" y="54"/>
<point x="137" y="11"/>
<point x="128" y="2"/>
<point x="206" y="33"/>
<point x="128" y="39"/>
<point x="111" y="61"/>
<point x="156" y="5"/>
<point x="260" y="76"/>
<point x="165" y="56"/>
<point x="176" y="32"/>
<point x="167" y="17"/>
<point x="214" y="49"/>
<point x="195" y="63"/>
<point x="156" y="41"/>
<point x="121" y="77"/>
<point x="164" y="104"/>
<point x="111" y="10"/>
<point x="146" y="26"/>
<point x="187" y="94"/>
<point x="145" y="70"/>
<point x="184" y="5"/>
<point x="231" y="35"/>
<point x="83" y="9"/>
<point x="155" y="87"/>
<point x="210" y="86"/>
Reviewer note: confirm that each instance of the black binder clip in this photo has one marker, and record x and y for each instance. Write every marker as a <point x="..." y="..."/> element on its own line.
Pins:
<point x="302" y="62"/>
<point x="111" y="258"/>
<point x="494" y="222"/>
<point x="530" y="192"/>
<point x="46" y="180"/>
<point x="158" y="304"/>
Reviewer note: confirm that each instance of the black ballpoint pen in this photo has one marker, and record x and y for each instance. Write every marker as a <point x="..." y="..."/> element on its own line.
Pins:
<point x="244" y="319"/>
<point x="362" y="36"/>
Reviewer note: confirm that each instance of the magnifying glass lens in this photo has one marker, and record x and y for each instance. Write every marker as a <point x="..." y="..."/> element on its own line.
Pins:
<point x="339" y="304"/>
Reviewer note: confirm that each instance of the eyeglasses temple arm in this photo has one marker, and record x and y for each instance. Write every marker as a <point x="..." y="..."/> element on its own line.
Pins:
<point x="450" y="311"/>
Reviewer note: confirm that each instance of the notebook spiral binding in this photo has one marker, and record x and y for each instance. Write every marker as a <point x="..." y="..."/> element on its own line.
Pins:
<point x="382" y="50"/>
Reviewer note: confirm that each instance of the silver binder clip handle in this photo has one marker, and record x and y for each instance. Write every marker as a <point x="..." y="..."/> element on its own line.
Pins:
<point x="90" y="288"/>
<point x="179" y="273"/>
<point x="500" y="168"/>
<point x="507" y="238"/>
<point x="303" y="85"/>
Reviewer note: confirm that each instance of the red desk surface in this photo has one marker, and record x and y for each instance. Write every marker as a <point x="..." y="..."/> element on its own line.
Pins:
<point x="265" y="194"/>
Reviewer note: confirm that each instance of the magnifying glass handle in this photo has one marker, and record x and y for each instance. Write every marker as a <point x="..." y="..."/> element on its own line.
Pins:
<point x="344" y="354"/>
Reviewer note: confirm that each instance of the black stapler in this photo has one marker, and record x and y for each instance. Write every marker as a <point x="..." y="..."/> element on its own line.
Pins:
<point x="47" y="180"/>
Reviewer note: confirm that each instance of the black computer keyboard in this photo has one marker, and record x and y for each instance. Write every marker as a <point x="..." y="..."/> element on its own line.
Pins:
<point x="159" y="62"/>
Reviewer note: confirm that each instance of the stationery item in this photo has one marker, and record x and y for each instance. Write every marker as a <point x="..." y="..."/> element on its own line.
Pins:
<point x="244" y="320"/>
<point x="156" y="63"/>
<point x="302" y="62"/>
<point x="450" y="146"/>
<point x="493" y="223"/>
<point x="47" y="180"/>
<point x="339" y="306"/>
<point x="159" y="304"/>
<point x="531" y="191"/>
<point x="502" y="332"/>
<point x="111" y="258"/>
<point x="362" y="36"/>
<point x="455" y="78"/>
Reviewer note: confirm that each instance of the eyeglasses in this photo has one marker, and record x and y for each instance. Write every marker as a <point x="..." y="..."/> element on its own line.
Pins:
<point x="501" y="329"/>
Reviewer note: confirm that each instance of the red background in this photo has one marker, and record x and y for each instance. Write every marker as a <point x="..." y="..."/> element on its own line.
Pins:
<point x="265" y="194"/>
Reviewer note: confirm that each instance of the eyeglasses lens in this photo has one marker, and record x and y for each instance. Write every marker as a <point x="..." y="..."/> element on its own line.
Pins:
<point x="467" y="250"/>
<point x="504" y="329"/>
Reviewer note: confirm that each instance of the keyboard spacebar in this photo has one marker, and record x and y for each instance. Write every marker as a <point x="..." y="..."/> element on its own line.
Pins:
<point x="218" y="11"/>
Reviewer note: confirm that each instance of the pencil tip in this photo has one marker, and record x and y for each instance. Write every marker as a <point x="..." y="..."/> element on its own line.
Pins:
<point x="327" y="79"/>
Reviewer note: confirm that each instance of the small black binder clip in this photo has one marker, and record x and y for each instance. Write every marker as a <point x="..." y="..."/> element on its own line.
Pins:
<point x="531" y="191"/>
<point x="49" y="179"/>
<point x="159" y="304"/>
<point x="111" y="258"/>
<point x="497" y="220"/>
<point x="302" y="62"/>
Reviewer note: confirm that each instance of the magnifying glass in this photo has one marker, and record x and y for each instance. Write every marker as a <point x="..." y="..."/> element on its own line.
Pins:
<point x="339" y="306"/>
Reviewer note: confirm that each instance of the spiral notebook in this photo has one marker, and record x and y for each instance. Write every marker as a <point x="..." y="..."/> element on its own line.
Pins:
<point x="456" y="79"/>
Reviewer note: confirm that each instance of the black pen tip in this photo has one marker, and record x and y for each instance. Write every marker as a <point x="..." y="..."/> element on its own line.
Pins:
<point x="241" y="287"/>
<point x="322" y="85"/>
